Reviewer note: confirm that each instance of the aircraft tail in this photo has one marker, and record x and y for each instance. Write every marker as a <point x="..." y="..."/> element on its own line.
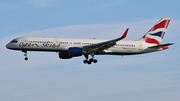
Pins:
<point x="156" y="33"/>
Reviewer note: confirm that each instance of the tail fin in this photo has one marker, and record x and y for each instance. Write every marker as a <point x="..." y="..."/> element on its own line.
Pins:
<point x="156" y="33"/>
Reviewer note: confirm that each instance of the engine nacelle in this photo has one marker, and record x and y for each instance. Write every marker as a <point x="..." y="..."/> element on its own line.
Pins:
<point x="72" y="52"/>
<point x="75" y="51"/>
<point x="64" y="55"/>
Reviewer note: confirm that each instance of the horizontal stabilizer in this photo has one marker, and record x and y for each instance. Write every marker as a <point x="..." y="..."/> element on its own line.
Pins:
<point x="163" y="46"/>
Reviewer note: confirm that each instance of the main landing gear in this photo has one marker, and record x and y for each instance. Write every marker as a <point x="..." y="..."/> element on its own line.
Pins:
<point x="90" y="60"/>
<point x="25" y="54"/>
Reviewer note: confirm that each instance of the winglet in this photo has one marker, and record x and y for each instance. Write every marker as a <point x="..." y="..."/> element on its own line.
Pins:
<point x="125" y="33"/>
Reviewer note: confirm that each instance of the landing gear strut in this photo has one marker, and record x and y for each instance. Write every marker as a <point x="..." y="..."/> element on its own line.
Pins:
<point x="90" y="60"/>
<point x="25" y="54"/>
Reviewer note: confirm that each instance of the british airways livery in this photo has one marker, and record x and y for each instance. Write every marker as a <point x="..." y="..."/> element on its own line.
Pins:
<point x="69" y="48"/>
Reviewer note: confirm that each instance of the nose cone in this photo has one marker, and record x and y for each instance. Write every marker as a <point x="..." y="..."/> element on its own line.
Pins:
<point x="8" y="46"/>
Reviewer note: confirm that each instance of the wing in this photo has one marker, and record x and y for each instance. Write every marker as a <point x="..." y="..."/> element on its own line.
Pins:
<point x="99" y="47"/>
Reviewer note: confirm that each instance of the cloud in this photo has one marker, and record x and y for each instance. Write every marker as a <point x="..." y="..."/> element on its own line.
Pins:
<point x="9" y="6"/>
<point x="45" y="77"/>
<point x="41" y="3"/>
<point x="86" y="84"/>
<point x="98" y="31"/>
<point x="108" y="5"/>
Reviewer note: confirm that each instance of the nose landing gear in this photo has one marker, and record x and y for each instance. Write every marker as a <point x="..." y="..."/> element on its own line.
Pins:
<point x="25" y="54"/>
<point x="26" y="58"/>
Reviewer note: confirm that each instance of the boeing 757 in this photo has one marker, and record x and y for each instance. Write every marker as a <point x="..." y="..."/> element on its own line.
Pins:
<point x="70" y="48"/>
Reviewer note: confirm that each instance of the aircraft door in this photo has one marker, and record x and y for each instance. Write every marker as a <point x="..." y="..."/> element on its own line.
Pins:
<point x="140" y="46"/>
<point x="56" y="43"/>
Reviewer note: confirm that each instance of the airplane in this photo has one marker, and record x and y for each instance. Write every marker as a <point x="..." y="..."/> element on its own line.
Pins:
<point x="69" y="48"/>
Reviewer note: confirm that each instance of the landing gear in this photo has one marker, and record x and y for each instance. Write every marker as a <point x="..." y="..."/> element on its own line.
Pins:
<point x="26" y="58"/>
<point x="25" y="54"/>
<point x="85" y="61"/>
<point x="90" y="60"/>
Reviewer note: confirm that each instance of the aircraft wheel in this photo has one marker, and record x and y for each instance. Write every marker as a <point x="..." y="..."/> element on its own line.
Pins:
<point x="89" y="62"/>
<point x="95" y="61"/>
<point x="85" y="61"/>
<point x="26" y="58"/>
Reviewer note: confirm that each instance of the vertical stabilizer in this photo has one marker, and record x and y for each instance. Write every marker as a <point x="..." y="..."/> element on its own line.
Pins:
<point x="156" y="33"/>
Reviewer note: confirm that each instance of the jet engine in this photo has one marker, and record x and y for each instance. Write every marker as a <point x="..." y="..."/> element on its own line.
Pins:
<point x="72" y="52"/>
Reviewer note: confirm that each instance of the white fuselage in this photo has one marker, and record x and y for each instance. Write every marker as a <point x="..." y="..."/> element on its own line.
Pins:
<point x="69" y="48"/>
<point x="63" y="44"/>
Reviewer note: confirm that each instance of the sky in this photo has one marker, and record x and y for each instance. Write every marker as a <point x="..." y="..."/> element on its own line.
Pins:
<point x="45" y="77"/>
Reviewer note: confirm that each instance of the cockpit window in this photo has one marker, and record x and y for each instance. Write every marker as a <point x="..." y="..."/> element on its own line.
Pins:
<point x="14" y="41"/>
